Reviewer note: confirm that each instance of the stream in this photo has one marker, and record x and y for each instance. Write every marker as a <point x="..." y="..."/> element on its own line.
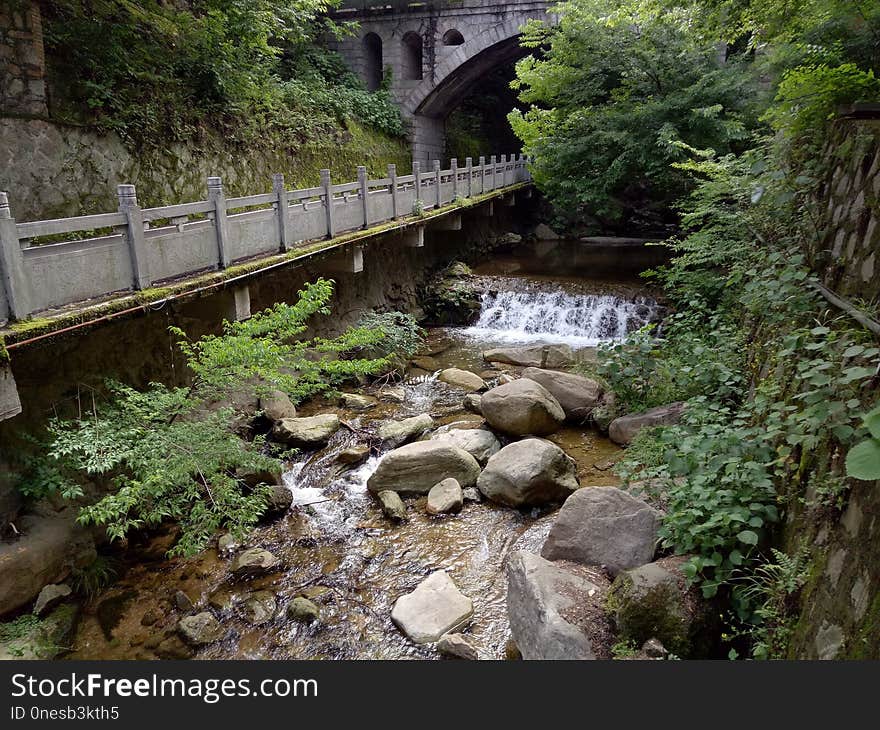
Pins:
<point x="336" y="546"/>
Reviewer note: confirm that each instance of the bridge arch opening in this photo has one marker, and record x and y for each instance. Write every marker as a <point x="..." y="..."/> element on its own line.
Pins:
<point x="412" y="56"/>
<point x="453" y="37"/>
<point x="372" y="61"/>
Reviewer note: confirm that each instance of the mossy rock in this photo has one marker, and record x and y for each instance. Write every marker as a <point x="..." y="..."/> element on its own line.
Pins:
<point x="653" y="601"/>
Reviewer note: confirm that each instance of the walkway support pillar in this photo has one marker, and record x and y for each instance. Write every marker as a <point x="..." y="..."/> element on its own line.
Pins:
<point x="469" y="164"/>
<point x="327" y="186"/>
<point x="392" y="186"/>
<point x="363" y="193"/>
<point x="12" y="277"/>
<point x="281" y="206"/>
<point x="134" y="235"/>
<point x="216" y="196"/>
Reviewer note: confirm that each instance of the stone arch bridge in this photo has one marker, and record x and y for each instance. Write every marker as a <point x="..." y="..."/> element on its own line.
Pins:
<point x="435" y="51"/>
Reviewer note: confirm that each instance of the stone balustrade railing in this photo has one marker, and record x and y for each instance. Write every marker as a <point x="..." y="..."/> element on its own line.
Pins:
<point x="136" y="248"/>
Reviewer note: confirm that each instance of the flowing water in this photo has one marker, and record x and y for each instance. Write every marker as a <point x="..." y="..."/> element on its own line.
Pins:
<point x="336" y="546"/>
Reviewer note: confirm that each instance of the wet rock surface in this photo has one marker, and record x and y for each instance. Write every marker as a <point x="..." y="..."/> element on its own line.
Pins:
<point x="415" y="468"/>
<point x="522" y="407"/>
<point x="528" y="473"/>
<point x="434" y="608"/>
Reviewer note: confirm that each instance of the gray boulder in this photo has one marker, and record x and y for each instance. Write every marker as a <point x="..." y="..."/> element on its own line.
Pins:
<point x="522" y="407"/>
<point x="576" y="394"/>
<point x="462" y="379"/>
<point x="309" y="431"/>
<point x="653" y="602"/>
<point x="353" y="454"/>
<point x="277" y="405"/>
<point x="528" y="473"/>
<point x="392" y="505"/>
<point x="556" y="609"/>
<point x="259" y="607"/>
<point x="200" y="629"/>
<point x="45" y="552"/>
<point x="302" y="609"/>
<point x="458" y="646"/>
<point x="537" y="356"/>
<point x="445" y="497"/>
<point x="623" y="430"/>
<point x="279" y="500"/>
<point x="395" y="433"/>
<point x="253" y="562"/>
<point x="478" y="442"/>
<point x="434" y="608"/>
<point x="472" y="403"/>
<point x="415" y="468"/>
<point x="50" y="597"/>
<point x="357" y="402"/>
<point x="604" y="526"/>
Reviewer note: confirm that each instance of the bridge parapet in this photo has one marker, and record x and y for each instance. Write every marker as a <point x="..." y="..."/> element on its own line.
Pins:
<point x="96" y="257"/>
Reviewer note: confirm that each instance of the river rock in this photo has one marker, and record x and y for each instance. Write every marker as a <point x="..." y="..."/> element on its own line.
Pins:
<point x="478" y="442"/>
<point x="417" y="467"/>
<point x="653" y="602"/>
<point x="604" y="526"/>
<point x="395" y="433"/>
<point x="528" y="473"/>
<point x="302" y="609"/>
<point x="253" y="562"/>
<point x="259" y="607"/>
<point x="458" y="646"/>
<point x="392" y="505"/>
<point x="434" y="608"/>
<point x="45" y="552"/>
<point x="357" y="402"/>
<point x="623" y="430"/>
<point x="445" y="497"/>
<point x="393" y="394"/>
<point x="182" y="602"/>
<point x="462" y="379"/>
<point x="277" y="405"/>
<point x="471" y="494"/>
<point x="472" y="403"/>
<point x="556" y="610"/>
<point x="353" y="454"/>
<point x="255" y="477"/>
<point x="200" y="629"/>
<point x="543" y="232"/>
<point x="426" y="363"/>
<point x="576" y="394"/>
<point x="278" y="501"/>
<point x="50" y="597"/>
<point x="522" y="407"/>
<point x="226" y="543"/>
<point x="538" y="356"/>
<point x="308" y="431"/>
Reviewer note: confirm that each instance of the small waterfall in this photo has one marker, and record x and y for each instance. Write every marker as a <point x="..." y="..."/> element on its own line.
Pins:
<point x="580" y="320"/>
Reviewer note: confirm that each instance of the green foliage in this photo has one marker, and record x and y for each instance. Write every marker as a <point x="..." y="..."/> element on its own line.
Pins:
<point x="615" y="90"/>
<point x="90" y="580"/>
<point x="173" y="453"/>
<point x="863" y="459"/>
<point x="624" y="650"/>
<point x="403" y="336"/>
<point x="150" y="70"/>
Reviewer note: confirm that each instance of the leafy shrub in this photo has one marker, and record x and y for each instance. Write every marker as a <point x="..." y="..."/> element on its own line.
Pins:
<point x="402" y="335"/>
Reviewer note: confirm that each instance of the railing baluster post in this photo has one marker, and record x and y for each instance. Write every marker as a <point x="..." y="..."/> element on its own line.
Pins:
<point x="493" y="160"/>
<point x="453" y="165"/>
<point x="469" y="164"/>
<point x="221" y="230"/>
<point x="12" y="264"/>
<point x="134" y="235"/>
<point x="281" y="209"/>
<point x="392" y="185"/>
<point x="364" y="192"/>
<point x="482" y="175"/>
<point x="327" y="185"/>
<point x="437" y="198"/>
<point x="417" y="181"/>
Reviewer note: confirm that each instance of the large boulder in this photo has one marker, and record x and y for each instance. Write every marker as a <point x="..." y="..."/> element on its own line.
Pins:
<point x="464" y="379"/>
<point x="444" y="497"/>
<point x="577" y="395"/>
<point x="357" y="402"/>
<point x="45" y="552"/>
<point x="527" y="473"/>
<point x="50" y="597"/>
<point x="538" y="356"/>
<point x="522" y="407"/>
<point x="434" y="608"/>
<point x="200" y="629"/>
<point x="478" y="442"/>
<point x="279" y="500"/>
<point x="310" y="431"/>
<point x="603" y="526"/>
<point x="654" y="601"/>
<point x="276" y="405"/>
<point x="394" y="433"/>
<point x="556" y="610"/>
<point x="623" y="430"/>
<point x="415" y="468"/>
